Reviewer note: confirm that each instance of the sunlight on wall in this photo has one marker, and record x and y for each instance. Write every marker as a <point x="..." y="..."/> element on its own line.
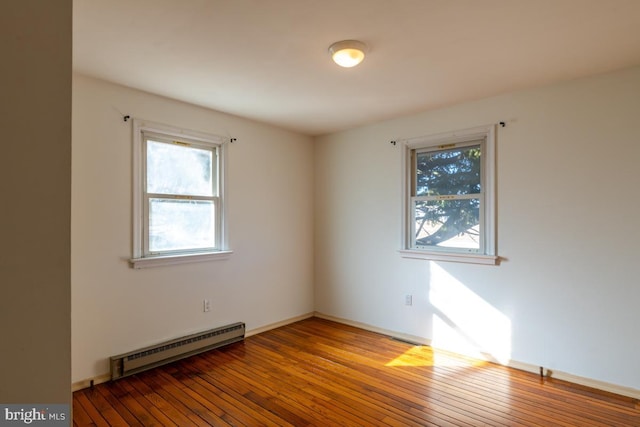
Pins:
<point x="464" y="322"/>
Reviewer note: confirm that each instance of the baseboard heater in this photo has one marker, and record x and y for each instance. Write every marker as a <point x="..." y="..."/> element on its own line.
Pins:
<point x="160" y="354"/>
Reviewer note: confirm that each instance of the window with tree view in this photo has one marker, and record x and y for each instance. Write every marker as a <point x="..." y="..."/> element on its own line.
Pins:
<point x="447" y="197"/>
<point x="450" y="196"/>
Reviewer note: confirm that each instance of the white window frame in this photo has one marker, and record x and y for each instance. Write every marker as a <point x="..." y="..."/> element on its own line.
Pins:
<point x="487" y="251"/>
<point x="141" y="259"/>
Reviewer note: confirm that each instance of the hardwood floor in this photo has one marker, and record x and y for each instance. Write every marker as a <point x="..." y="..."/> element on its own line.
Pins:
<point x="320" y="373"/>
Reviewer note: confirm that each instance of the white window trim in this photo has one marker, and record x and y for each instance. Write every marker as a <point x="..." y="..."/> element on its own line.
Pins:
<point x="488" y="253"/>
<point x="139" y="260"/>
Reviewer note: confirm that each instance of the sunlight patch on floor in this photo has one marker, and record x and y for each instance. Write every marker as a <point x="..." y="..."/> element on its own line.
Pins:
<point x="427" y="356"/>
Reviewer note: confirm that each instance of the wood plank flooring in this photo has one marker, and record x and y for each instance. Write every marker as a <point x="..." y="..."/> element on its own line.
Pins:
<point x="320" y="373"/>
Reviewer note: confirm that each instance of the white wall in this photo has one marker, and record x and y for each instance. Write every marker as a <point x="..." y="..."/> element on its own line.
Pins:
<point x="268" y="279"/>
<point x="35" y="183"/>
<point x="566" y="293"/>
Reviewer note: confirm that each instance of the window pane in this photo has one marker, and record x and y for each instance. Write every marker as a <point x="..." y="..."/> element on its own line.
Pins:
<point x="177" y="169"/>
<point x="448" y="172"/>
<point x="181" y="224"/>
<point x="448" y="223"/>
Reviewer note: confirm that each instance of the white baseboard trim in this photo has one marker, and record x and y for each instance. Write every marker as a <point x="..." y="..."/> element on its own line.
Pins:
<point x="575" y="379"/>
<point x="527" y="367"/>
<point x="600" y="385"/>
<point x="279" y="324"/>
<point x="395" y="334"/>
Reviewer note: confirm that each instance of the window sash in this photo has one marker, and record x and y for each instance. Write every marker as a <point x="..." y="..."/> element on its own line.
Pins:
<point x="481" y="229"/>
<point x="177" y="146"/>
<point x="184" y="142"/>
<point x="148" y="251"/>
<point x="186" y="195"/>
<point x="444" y="148"/>
<point x="414" y="200"/>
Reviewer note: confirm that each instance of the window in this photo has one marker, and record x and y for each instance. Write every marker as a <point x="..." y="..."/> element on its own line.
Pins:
<point x="449" y="197"/>
<point x="178" y="196"/>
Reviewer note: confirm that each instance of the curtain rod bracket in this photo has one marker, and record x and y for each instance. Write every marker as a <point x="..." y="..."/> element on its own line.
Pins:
<point x="126" y="118"/>
<point x="393" y="143"/>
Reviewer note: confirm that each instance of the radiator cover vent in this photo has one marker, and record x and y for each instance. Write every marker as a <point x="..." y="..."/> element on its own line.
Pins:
<point x="160" y="354"/>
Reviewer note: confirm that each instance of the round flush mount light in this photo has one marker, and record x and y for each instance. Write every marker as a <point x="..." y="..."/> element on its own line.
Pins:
<point x="348" y="53"/>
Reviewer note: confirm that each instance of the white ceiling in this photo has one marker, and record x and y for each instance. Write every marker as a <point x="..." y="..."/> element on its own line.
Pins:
<point x="267" y="59"/>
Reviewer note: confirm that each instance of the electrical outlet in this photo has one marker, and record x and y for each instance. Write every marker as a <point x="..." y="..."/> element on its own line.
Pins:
<point x="206" y="305"/>
<point x="408" y="300"/>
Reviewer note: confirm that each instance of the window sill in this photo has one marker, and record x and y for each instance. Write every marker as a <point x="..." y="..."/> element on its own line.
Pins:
<point x="163" y="260"/>
<point x="450" y="256"/>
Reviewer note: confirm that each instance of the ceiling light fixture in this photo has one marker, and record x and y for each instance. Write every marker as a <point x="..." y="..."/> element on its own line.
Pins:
<point x="348" y="53"/>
